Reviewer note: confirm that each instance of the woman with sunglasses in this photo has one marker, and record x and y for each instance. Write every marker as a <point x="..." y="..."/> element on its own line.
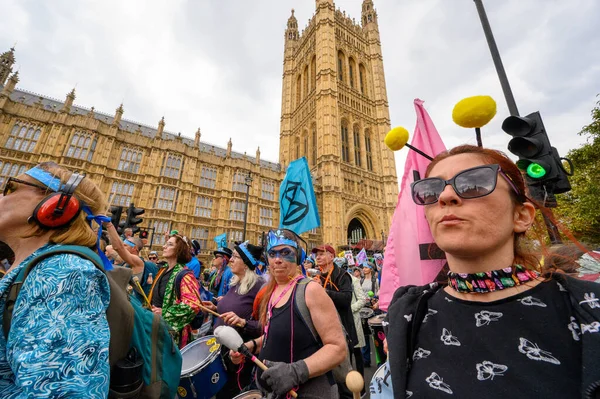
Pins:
<point x="235" y="309"/>
<point x="58" y="337"/>
<point x="177" y="305"/>
<point x="498" y="329"/>
<point x="295" y="360"/>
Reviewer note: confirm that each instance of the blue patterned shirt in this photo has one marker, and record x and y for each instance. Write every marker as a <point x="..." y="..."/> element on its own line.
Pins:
<point x="58" y="341"/>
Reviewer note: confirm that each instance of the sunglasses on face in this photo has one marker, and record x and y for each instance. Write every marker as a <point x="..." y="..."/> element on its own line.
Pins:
<point x="470" y="183"/>
<point x="152" y="258"/>
<point x="12" y="184"/>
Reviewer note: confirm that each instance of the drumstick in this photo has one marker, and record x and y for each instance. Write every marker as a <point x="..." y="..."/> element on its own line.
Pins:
<point x="355" y="383"/>
<point x="136" y="281"/>
<point x="230" y="338"/>
<point x="212" y="312"/>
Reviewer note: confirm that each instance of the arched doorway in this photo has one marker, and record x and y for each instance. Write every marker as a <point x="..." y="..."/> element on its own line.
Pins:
<point x="356" y="231"/>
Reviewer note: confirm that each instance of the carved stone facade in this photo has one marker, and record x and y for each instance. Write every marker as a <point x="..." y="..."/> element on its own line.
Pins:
<point x="335" y="113"/>
<point x="333" y="80"/>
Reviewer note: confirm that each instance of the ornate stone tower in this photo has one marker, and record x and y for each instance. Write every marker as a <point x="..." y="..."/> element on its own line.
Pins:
<point x="335" y="113"/>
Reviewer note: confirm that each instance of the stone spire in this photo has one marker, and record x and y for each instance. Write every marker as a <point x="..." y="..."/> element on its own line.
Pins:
<point x="161" y="127"/>
<point x="10" y="85"/>
<point x="68" y="102"/>
<point x="258" y="155"/>
<point x="7" y="61"/>
<point x="229" y="145"/>
<point x="197" y="139"/>
<point x="369" y="15"/>
<point x="291" y="33"/>
<point x="118" y="115"/>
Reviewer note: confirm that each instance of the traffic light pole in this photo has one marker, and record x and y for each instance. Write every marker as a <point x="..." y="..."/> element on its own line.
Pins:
<point x="487" y="30"/>
<point x="508" y="95"/>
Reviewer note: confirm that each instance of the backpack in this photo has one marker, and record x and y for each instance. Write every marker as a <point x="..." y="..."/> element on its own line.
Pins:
<point x="200" y="318"/>
<point x="139" y="338"/>
<point x="339" y="372"/>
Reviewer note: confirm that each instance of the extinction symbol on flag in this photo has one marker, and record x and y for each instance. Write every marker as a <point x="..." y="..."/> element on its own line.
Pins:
<point x="298" y="205"/>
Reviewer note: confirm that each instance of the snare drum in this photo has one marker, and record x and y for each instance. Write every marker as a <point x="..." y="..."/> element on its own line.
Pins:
<point x="254" y="394"/>
<point x="202" y="371"/>
<point x="376" y="326"/>
<point x="381" y="383"/>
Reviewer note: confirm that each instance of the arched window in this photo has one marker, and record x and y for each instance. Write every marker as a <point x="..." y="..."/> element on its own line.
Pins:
<point x="297" y="146"/>
<point x="313" y="73"/>
<point x="368" y="150"/>
<point x="23" y="137"/>
<point x="298" y="90"/>
<point x="82" y="146"/>
<point x="314" y="145"/>
<point x="305" y="144"/>
<point x="305" y="77"/>
<point x="345" y="143"/>
<point x="340" y="66"/>
<point x="362" y="76"/>
<point x="351" y="69"/>
<point x="356" y="135"/>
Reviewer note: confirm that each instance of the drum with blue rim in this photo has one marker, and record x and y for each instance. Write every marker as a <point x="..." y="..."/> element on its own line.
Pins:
<point x="202" y="372"/>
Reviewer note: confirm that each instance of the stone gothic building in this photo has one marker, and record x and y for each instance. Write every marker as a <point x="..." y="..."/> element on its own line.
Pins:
<point x="334" y="112"/>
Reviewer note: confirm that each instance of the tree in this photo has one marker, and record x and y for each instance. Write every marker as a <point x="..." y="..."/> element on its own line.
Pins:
<point x="579" y="209"/>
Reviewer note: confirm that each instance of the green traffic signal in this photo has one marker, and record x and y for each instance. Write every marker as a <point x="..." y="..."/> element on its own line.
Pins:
<point x="536" y="171"/>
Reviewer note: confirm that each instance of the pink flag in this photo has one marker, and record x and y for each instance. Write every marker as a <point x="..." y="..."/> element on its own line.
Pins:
<point x="402" y="264"/>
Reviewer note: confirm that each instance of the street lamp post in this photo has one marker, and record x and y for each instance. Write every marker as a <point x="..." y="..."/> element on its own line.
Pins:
<point x="247" y="182"/>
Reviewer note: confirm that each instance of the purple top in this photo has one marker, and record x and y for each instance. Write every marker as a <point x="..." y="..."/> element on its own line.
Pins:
<point x="241" y="305"/>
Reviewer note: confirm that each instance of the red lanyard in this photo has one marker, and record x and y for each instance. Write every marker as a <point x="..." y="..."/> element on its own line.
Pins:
<point x="272" y="304"/>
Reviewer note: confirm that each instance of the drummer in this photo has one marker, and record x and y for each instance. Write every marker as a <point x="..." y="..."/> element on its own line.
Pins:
<point x="236" y="310"/>
<point x="294" y="358"/>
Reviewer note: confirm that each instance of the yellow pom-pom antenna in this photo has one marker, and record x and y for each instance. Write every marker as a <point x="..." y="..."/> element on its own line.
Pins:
<point x="397" y="138"/>
<point x="474" y="112"/>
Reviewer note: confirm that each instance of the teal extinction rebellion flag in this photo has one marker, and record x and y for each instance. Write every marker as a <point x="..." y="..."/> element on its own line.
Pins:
<point x="297" y="202"/>
<point x="221" y="240"/>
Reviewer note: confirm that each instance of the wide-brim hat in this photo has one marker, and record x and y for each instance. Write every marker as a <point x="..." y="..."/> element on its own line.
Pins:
<point x="223" y="251"/>
<point x="249" y="253"/>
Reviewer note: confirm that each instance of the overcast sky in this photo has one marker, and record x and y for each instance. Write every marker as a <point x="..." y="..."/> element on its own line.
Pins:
<point x="217" y="64"/>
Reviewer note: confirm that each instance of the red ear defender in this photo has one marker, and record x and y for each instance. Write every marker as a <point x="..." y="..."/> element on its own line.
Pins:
<point x="46" y="215"/>
<point x="60" y="208"/>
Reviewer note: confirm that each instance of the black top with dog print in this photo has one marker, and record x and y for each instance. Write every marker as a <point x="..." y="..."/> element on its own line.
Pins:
<point x="526" y="345"/>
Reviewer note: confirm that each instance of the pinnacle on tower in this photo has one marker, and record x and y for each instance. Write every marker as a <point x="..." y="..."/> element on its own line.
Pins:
<point x="291" y="33"/>
<point x="369" y="14"/>
<point x="161" y="127"/>
<point x="7" y="61"/>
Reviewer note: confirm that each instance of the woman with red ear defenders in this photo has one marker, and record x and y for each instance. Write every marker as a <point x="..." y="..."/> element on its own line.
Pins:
<point x="59" y="315"/>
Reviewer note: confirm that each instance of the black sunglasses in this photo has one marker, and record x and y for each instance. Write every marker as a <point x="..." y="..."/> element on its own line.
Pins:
<point x="471" y="183"/>
<point x="10" y="186"/>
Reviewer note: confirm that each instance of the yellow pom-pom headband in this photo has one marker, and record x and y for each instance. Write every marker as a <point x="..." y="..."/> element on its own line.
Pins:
<point x="474" y="112"/>
<point x="398" y="138"/>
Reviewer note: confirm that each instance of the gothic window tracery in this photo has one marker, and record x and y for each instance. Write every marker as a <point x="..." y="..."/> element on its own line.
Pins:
<point x="23" y="137"/>
<point x="313" y="73"/>
<point x="368" y="150"/>
<point x="172" y="166"/>
<point x="121" y="193"/>
<point x="314" y="145"/>
<point x="341" y="65"/>
<point x="345" y="143"/>
<point x="362" y="79"/>
<point x="130" y="160"/>
<point x="357" y="154"/>
<point x="351" y="69"/>
<point x="82" y="146"/>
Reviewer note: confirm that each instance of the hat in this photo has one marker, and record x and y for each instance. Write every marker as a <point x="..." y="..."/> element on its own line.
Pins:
<point x="195" y="247"/>
<point x="368" y="264"/>
<point x="323" y="248"/>
<point x="223" y="251"/>
<point x="153" y="253"/>
<point x="249" y="253"/>
<point x="340" y="262"/>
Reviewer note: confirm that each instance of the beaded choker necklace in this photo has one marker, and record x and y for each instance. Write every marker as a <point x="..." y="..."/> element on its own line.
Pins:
<point x="490" y="281"/>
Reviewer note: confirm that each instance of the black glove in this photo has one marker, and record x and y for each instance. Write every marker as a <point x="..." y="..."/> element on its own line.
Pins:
<point x="282" y="377"/>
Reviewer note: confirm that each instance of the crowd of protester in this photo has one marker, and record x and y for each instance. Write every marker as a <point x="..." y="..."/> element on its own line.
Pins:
<point x="303" y="311"/>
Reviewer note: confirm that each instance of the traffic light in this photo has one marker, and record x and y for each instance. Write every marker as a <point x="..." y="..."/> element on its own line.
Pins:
<point x="537" y="158"/>
<point x="132" y="218"/>
<point x="115" y="218"/>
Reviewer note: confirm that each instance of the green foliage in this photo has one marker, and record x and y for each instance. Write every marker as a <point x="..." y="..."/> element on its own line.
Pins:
<point x="579" y="209"/>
